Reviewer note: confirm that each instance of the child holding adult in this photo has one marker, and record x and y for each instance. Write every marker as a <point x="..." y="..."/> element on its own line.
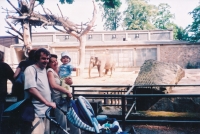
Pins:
<point x="65" y="71"/>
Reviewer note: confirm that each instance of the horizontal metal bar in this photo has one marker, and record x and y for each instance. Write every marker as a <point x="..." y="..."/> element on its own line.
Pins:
<point x="100" y="85"/>
<point x="139" y="95"/>
<point x="164" y="85"/>
<point x="99" y="90"/>
<point x="99" y="95"/>
<point x="164" y="95"/>
<point x="133" y="85"/>
<point x="162" y="121"/>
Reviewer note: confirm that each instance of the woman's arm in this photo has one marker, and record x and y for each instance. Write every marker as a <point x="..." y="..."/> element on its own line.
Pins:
<point x="55" y="86"/>
<point x="16" y="72"/>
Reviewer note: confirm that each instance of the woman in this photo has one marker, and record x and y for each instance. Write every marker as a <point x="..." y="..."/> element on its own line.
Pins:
<point x="57" y="90"/>
<point x="18" y="89"/>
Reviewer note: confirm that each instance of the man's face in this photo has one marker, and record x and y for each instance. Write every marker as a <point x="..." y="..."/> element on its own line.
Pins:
<point x="43" y="61"/>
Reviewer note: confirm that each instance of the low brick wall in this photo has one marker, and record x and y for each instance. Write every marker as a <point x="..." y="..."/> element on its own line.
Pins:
<point x="180" y="54"/>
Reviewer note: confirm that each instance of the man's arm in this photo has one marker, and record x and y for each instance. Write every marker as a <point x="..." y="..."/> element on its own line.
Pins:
<point x="37" y="94"/>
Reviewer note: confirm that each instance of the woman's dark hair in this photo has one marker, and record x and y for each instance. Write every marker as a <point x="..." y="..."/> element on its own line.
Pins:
<point x="38" y="53"/>
<point x="1" y="55"/>
<point x="31" y="54"/>
<point x="51" y="55"/>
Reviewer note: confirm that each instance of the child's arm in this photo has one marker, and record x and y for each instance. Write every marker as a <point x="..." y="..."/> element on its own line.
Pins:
<point x="74" y="69"/>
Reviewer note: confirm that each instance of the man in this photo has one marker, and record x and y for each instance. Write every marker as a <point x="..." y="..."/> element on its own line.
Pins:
<point x="5" y="73"/>
<point x="36" y="83"/>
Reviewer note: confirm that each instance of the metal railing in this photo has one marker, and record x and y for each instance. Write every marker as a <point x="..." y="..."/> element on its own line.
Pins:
<point x="130" y="92"/>
<point x="120" y="96"/>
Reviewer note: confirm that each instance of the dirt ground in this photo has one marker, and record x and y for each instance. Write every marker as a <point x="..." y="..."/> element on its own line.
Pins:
<point x="118" y="78"/>
<point x="192" y="77"/>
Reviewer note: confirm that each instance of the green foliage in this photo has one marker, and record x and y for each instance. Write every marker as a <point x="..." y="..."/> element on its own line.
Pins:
<point x="191" y="66"/>
<point x="180" y="33"/>
<point x="61" y="1"/>
<point x="106" y="3"/>
<point x="112" y="18"/>
<point x="110" y="3"/>
<point x="164" y="16"/>
<point x="67" y="1"/>
<point x="164" y="21"/>
<point x="139" y="15"/>
<point x="40" y="1"/>
<point x="194" y="27"/>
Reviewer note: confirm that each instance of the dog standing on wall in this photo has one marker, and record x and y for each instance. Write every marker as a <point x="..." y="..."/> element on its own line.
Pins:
<point x="102" y="61"/>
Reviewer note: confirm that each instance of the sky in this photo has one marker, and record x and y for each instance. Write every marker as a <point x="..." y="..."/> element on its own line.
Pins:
<point x="81" y="11"/>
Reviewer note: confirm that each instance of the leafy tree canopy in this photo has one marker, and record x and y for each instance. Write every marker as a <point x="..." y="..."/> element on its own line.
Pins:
<point x="163" y="17"/>
<point x="194" y="27"/>
<point x="61" y="1"/>
<point x="138" y="15"/>
<point x="112" y="18"/>
<point x="110" y="3"/>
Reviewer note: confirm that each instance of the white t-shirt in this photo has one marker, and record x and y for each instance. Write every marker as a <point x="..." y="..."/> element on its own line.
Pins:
<point x="55" y="93"/>
<point x="42" y="86"/>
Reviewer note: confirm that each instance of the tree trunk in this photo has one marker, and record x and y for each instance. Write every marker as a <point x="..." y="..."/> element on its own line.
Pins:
<point x="82" y="40"/>
<point x="26" y="36"/>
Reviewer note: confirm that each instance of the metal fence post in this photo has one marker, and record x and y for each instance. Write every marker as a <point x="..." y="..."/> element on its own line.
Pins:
<point x="135" y="100"/>
<point x="73" y="92"/>
<point x="123" y="112"/>
<point x="105" y="99"/>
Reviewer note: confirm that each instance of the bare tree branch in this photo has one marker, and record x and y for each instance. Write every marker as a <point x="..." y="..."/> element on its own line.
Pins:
<point x="14" y="28"/>
<point x="46" y="13"/>
<point x="59" y="29"/>
<point x="37" y="5"/>
<point x="10" y="11"/>
<point x="24" y="6"/>
<point x="14" y="7"/>
<point x="14" y="35"/>
<point x="67" y="25"/>
<point x="72" y="33"/>
<point x="90" y="25"/>
<point x="64" y="23"/>
<point x="49" y="11"/>
<point x="32" y="3"/>
<point x="15" y="22"/>
<point x="35" y="18"/>
<point x="8" y="27"/>
<point x="60" y="11"/>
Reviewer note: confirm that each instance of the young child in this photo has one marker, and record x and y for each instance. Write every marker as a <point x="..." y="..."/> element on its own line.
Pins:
<point x="65" y="70"/>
